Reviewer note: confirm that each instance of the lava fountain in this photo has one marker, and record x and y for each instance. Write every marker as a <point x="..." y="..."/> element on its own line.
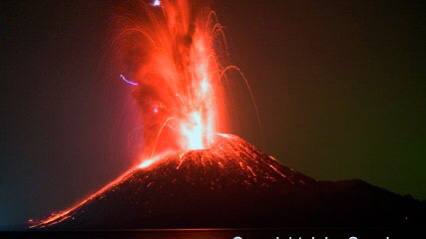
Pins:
<point x="169" y="56"/>
<point x="169" y="52"/>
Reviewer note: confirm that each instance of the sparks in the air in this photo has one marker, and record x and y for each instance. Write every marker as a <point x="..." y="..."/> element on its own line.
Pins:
<point x="172" y="56"/>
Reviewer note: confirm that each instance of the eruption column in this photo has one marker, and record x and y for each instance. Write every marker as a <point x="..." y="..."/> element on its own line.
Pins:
<point x="176" y="68"/>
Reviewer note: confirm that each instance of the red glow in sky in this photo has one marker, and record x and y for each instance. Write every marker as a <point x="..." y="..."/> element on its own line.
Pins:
<point x="178" y="75"/>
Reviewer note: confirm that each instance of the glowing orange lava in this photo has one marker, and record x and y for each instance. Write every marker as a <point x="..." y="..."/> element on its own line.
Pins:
<point x="168" y="51"/>
<point x="175" y="65"/>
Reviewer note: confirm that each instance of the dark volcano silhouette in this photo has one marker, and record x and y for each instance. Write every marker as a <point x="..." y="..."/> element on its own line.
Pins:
<point x="233" y="184"/>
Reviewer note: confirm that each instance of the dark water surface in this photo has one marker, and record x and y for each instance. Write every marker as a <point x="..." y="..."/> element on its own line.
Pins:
<point x="293" y="233"/>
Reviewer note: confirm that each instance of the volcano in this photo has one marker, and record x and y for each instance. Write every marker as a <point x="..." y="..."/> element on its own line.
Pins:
<point x="232" y="184"/>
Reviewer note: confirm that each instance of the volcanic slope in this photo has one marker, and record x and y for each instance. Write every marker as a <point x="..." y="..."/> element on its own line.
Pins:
<point x="232" y="184"/>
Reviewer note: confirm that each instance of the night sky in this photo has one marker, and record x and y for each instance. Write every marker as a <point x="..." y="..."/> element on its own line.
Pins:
<point x="340" y="85"/>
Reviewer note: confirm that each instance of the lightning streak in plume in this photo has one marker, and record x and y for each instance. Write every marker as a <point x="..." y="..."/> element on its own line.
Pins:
<point x="122" y="77"/>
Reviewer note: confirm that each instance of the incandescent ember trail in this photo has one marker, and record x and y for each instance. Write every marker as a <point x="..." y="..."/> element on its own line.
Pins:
<point x="177" y="74"/>
<point x="169" y="51"/>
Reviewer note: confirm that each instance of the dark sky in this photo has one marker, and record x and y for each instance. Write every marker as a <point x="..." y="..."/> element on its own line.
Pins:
<point x="340" y="85"/>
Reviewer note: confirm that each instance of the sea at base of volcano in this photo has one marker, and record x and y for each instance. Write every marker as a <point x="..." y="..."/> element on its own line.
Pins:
<point x="224" y="233"/>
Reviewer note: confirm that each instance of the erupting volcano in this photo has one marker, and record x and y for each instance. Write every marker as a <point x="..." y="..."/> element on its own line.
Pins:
<point x="169" y="53"/>
<point x="190" y="175"/>
<point x="231" y="184"/>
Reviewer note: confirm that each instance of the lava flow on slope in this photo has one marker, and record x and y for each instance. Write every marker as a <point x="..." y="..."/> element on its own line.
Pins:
<point x="232" y="185"/>
<point x="198" y="188"/>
